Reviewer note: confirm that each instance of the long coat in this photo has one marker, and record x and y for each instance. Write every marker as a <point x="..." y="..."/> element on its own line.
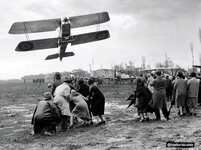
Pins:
<point x="159" y="93"/>
<point x="144" y="96"/>
<point x="81" y="109"/>
<point x="45" y="115"/>
<point x="180" y="91"/>
<point x="62" y="92"/>
<point x="97" y="101"/>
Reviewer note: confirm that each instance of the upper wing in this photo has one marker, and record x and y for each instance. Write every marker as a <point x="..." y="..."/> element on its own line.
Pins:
<point x="53" y="24"/>
<point x="90" y="37"/>
<point x="90" y="19"/>
<point x="37" y="44"/>
<point x="35" y="26"/>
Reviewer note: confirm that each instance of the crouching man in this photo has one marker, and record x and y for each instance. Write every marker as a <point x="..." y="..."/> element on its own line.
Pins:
<point x="46" y="116"/>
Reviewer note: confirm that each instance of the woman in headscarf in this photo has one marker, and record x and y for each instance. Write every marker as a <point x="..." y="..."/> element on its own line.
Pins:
<point x="81" y="109"/>
<point x="97" y="100"/>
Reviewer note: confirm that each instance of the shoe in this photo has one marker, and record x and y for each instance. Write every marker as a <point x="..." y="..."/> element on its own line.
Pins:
<point x="195" y="114"/>
<point x="85" y="124"/>
<point x="179" y="113"/>
<point x="184" y="114"/>
<point x="147" y="119"/>
<point x="189" y="114"/>
<point x="48" y="133"/>
<point x="138" y="118"/>
<point x="91" y="122"/>
<point x="70" y="127"/>
<point x="158" y="119"/>
<point x="101" y="123"/>
<point x="142" y="120"/>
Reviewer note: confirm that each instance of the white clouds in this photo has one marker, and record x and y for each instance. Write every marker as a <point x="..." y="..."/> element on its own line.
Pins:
<point x="138" y="28"/>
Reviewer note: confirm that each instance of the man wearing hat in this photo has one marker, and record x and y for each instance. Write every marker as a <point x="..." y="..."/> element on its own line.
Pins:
<point x="62" y="97"/>
<point x="57" y="82"/>
<point x="45" y="116"/>
<point x="159" y="101"/>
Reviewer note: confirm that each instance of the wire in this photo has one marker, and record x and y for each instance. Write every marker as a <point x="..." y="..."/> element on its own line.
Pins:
<point x="25" y="31"/>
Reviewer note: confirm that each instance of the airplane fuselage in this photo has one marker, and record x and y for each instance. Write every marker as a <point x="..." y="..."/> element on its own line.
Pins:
<point x="65" y="35"/>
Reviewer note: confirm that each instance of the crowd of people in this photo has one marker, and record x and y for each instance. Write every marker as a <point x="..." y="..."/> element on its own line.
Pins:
<point x="153" y="92"/>
<point x="66" y="104"/>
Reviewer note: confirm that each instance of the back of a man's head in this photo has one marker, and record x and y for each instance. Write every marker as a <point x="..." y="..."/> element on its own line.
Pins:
<point x="57" y="76"/>
<point x="158" y="73"/>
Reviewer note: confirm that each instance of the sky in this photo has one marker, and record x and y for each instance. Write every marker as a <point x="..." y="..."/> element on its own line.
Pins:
<point x="138" y="28"/>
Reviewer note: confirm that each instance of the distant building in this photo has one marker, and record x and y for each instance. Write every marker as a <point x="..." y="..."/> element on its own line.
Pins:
<point x="104" y="73"/>
<point x="37" y="78"/>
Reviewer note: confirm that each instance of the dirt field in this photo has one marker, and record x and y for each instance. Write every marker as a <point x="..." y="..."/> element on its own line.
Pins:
<point x="122" y="130"/>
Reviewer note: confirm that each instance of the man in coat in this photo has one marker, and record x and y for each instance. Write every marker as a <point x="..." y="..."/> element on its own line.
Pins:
<point x="192" y="90"/>
<point x="57" y="82"/>
<point x="159" y="100"/>
<point x="46" y="116"/>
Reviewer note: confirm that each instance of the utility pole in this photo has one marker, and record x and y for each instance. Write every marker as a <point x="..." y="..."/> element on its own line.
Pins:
<point x="191" y="47"/>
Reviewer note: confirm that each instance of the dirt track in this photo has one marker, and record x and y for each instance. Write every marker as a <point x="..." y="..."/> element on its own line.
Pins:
<point x="122" y="131"/>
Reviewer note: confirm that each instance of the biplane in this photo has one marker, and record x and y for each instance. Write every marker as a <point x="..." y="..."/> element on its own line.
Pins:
<point x="64" y="25"/>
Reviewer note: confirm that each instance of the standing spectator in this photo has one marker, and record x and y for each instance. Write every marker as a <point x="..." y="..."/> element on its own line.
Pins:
<point x="57" y="82"/>
<point x="199" y="95"/>
<point x="143" y="95"/>
<point x="97" y="102"/>
<point x="149" y="81"/>
<point x="159" y="101"/>
<point x="62" y="97"/>
<point x="45" y="116"/>
<point x="168" y="88"/>
<point x="193" y="89"/>
<point x="180" y="91"/>
<point x="83" y="88"/>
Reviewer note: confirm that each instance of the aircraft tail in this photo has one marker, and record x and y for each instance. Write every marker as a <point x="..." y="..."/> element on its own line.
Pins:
<point x="54" y="56"/>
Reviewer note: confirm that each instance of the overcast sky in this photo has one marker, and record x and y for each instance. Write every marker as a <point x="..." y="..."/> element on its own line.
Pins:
<point x="138" y="28"/>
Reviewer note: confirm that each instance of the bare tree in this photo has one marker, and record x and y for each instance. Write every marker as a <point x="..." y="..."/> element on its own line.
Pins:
<point x="143" y="62"/>
<point x="159" y="65"/>
<point x="168" y="62"/>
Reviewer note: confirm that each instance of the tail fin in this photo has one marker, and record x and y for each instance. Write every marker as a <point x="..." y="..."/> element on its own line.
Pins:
<point x="68" y="54"/>
<point x="54" y="56"/>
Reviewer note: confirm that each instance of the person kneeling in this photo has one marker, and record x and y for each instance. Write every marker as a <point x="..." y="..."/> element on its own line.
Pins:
<point x="46" y="116"/>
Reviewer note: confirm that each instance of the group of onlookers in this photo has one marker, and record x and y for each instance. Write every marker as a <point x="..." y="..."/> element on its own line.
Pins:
<point x="183" y="92"/>
<point x="66" y="104"/>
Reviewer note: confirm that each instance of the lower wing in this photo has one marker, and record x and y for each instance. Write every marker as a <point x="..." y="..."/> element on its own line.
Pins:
<point x="37" y="44"/>
<point x="89" y="37"/>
